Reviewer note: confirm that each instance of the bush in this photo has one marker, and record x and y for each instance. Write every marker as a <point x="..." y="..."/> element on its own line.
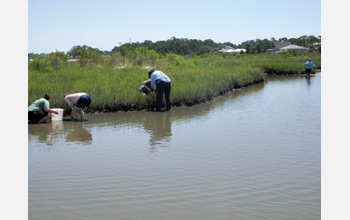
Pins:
<point x="41" y="64"/>
<point x="58" y="60"/>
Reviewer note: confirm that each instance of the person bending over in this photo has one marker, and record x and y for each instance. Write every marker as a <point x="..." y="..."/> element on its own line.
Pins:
<point x="78" y="101"/>
<point x="39" y="111"/>
<point x="161" y="84"/>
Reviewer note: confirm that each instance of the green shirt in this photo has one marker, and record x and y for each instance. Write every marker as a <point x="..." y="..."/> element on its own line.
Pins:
<point x="39" y="105"/>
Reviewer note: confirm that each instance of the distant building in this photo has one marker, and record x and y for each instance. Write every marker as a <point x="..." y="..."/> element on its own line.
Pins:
<point x="229" y="49"/>
<point x="294" y="47"/>
<point x="316" y="46"/>
<point x="277" y="45"/>
<point x="73" y="62"/>
<point x="240" y="50"/>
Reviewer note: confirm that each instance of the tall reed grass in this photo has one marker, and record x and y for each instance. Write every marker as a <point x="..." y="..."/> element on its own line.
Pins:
<point x="193" y="80"/>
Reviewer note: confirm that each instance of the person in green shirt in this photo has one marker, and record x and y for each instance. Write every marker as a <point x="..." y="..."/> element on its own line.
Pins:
<point x="39" y="111"/>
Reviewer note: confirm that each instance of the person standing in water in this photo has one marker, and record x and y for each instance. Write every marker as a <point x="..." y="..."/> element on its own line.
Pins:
<point x="309" y="65"/>
<point x="161" y="83"/>
<point x="39" y="111"/>
<point x="78" y="101"/>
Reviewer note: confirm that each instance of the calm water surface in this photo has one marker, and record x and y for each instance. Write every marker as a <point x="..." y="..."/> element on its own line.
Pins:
<point x="251" y="154"/>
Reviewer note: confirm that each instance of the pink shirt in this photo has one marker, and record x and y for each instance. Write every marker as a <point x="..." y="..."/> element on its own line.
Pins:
<point x="72" y="99"/>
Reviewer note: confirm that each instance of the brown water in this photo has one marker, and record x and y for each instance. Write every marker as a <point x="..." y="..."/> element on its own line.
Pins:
<point x="251" y="154"/>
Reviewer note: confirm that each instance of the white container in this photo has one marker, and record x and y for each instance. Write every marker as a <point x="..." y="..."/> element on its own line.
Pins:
<point x="58" y="117"/>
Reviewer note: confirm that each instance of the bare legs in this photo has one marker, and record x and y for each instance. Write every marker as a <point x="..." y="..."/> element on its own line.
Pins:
<point x="77" y="114"/>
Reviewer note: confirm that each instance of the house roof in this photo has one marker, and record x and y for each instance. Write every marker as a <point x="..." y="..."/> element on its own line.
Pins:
<point x="293" y="47"/>
<point x="279" y="45"/>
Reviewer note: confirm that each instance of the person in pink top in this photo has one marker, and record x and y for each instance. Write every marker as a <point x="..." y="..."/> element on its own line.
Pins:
<point x="78" y="101"/>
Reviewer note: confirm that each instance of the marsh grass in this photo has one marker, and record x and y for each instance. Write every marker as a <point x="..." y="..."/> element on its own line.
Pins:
<point x="193" y="81"/>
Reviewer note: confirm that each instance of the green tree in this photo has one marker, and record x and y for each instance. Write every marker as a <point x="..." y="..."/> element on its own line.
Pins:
<point x="42" y="64"/>
<point x="171" y="57"/>
<point x="141" y="55"/>
<point x="153" y="56"/>
<point x="124" y="53"/>
<point x="88" y="57"/>
<point x="58" y="59"/>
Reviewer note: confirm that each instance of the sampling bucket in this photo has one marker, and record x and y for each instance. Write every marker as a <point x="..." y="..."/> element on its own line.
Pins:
<point x="58" y="117"/>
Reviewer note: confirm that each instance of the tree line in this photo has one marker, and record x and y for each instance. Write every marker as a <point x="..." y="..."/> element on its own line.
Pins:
<point x="172" y="51"/>
<point x="184" y="46"/>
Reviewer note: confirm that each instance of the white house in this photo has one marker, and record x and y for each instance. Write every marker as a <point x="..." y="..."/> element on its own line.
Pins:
<point x="277" y="45"/>
<point x="294" y="47"/>
<point x="229" y="49"/>
<point x="240" y="50"/>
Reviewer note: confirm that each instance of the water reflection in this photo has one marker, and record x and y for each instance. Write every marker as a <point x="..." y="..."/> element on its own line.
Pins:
<point x="46" y="132"/>
<point x="158" y="125"/>
<point x="308" y="80"/>
<point x="55" y="131"/>
<point x="80" y="135"/>
<point x="251" y="153"/>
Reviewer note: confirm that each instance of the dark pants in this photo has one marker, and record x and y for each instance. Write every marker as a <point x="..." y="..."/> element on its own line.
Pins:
<point x="308" y="71"/>
<point x="36" y="116"/>
<point x="163" y="87"/>
<point x="84" y="101"/>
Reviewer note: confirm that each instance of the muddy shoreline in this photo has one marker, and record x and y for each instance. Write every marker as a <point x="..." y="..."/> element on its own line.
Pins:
<point x="150" y="107"/>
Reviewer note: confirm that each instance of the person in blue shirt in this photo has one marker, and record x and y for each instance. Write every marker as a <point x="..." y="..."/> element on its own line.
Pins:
<point x="161" y="83"/>
<point x="309" y="65"/>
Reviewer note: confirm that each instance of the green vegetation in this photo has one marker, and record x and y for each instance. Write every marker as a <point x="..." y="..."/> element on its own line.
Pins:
<point x="113" y="81"/>
<point x="184" y="46"/>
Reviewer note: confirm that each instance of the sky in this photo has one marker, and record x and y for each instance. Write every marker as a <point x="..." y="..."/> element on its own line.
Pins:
<point x="59" y="25"/>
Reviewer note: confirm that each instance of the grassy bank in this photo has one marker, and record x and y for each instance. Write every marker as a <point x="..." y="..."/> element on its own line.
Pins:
<point x="194" y="80"/>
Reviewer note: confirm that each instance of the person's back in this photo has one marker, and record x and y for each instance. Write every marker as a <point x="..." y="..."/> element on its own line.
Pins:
<point x="39" y="110"/>
<point x="39" y="105"/>
<point x="161" y="84"/>
<point x="78" y="101"/>
<point x="159" y="76"/>
<point x="72" y="99"/>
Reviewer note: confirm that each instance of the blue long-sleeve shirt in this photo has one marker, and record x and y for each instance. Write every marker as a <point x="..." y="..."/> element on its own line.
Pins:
<point x="158" y="75"/>
<point x="309" y="65"/>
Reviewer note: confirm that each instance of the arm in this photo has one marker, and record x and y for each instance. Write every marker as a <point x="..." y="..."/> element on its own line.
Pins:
<point x="148" y="88"/>
<point x="50" y="110"/>
<point x="153" y="81"/>
<point x="69" y="101"/>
